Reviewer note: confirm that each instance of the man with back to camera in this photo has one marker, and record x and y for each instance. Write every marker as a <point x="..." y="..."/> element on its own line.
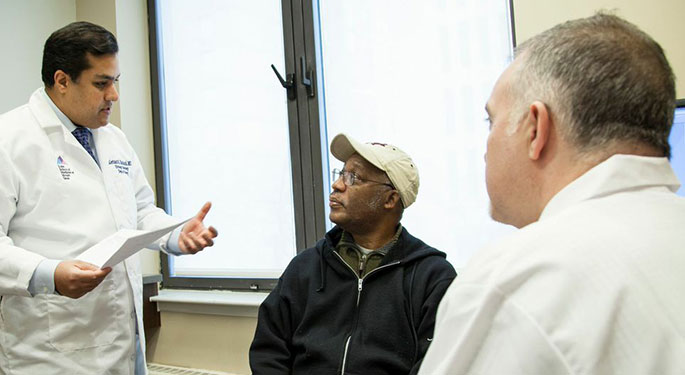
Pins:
<point x="577" y="158"/>
<point x="69" y="179"/>
<point x="363" y="300"/>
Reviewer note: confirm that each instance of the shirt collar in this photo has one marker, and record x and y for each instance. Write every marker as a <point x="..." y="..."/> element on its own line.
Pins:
<point x="618" y="173"/>
<point x="60" y="115"/>
<point x="347" y="239"/>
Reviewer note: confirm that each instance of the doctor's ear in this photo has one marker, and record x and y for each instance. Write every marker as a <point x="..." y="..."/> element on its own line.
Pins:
<point x="62" y="81"/>
<point x="539" y="122"/>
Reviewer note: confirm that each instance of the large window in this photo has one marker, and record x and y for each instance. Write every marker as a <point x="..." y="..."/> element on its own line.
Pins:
<point x="227" y="132"/>
<point x="415" y="75"/>
<point x="418" y="76"/>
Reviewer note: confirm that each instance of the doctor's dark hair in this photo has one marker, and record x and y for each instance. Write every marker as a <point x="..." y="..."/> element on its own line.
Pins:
<point x="66" y="49"/>
<point x="607" y="82"/>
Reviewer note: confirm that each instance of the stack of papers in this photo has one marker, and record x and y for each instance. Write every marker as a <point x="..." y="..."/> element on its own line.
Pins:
<point x="122" y="245"/>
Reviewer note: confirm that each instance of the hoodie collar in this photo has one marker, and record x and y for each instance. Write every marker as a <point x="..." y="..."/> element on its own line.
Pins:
<point x="346" y="239"/>
<point x="406" y="249"/>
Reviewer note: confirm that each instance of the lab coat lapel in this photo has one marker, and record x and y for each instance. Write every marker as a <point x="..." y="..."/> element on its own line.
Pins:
<point x="63" y="142"/>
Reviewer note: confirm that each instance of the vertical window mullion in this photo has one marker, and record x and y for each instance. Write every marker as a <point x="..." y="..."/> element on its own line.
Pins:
<point x="310" y="139"/>
<point x="318" y="143"/>
<point x="294" y="120"/>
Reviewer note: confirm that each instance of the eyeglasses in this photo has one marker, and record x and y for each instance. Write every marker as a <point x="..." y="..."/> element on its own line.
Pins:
<point x="349" y="178"/>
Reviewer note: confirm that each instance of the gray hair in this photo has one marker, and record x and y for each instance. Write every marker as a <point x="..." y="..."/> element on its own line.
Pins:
<point x="603" y="79"/>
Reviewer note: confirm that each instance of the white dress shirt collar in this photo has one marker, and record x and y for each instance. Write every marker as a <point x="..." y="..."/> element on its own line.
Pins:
<point x="60" y="115"/>
<point x="617" y="173"/>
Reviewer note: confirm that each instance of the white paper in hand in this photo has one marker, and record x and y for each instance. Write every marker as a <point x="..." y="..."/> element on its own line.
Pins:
<point x="122" y="245"/>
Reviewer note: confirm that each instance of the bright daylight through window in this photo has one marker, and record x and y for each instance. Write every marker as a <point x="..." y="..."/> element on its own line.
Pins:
<point x="415" y="75"/>
<point x="226" y="119"/>
<point x="418" y="77"/>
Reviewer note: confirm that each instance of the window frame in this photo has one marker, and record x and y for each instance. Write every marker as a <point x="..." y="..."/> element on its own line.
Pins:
<point x="307" y="131"/>
<point x="305" y="143"/>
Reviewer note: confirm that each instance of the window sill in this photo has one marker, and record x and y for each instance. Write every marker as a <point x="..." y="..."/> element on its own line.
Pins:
<point x="152" y="278"/>
<point x="212" y="302"/>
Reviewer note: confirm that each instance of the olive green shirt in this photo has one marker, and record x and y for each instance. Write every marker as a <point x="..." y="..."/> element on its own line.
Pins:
<point x="361" y="262"/>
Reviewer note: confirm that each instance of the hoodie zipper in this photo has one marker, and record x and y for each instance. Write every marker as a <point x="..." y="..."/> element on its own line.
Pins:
<point x="362" y="263"/>
<point x="360" y="283"/>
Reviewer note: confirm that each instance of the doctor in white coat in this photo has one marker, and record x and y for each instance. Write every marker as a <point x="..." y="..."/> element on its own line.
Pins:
<point x="68" y="179"/>
<point x="577" y="158"/>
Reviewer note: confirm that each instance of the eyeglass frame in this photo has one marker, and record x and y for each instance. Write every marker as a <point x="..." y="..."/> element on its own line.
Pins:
<point x="353" y="178"/>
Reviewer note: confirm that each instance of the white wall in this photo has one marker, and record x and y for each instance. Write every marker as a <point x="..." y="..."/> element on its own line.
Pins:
<point x="24" y="27"/>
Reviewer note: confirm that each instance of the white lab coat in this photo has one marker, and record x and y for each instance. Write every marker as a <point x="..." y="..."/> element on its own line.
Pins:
<point x="594" y="287"/>
<point x="54" y="203"/>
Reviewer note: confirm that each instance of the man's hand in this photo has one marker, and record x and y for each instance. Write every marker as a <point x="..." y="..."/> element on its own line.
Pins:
<point x="195" y="236"/>
<point x="74" y="278"/>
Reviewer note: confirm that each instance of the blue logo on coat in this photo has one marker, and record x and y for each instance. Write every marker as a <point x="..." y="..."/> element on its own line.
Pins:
<point x="64" y="169"/>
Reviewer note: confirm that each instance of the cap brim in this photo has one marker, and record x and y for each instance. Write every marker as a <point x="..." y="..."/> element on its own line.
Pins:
<point x="343" y="146"/>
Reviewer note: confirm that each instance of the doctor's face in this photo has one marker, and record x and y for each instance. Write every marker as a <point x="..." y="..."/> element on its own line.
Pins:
<point x="88" y="100"/>
<point x="505" y="158"/>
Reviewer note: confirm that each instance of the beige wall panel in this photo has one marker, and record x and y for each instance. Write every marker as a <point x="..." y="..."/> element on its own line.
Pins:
<point x="134" y="86"/>
<point x="662" y="19"/>
<point x="135" y="96"/>
<point x="101" y="12"/>
<point x="210" y="342"/>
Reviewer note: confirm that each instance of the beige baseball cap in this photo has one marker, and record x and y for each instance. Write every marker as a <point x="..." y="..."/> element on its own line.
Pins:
<point x="390" y="159"/>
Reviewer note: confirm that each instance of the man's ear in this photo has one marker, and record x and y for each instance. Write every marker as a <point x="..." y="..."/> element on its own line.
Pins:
<point x="538" y="126"/>
<point x="392" y="200"/>
<point x="62" y="81"/>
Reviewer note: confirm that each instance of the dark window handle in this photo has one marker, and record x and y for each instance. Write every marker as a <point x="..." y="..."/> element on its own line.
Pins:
<point x="288" y="84"/>
<point x="306" y="77"/>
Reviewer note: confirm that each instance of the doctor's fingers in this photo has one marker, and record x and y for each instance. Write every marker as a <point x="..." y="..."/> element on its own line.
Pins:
<point x="91" y="269"/>
<point x="206" y="240"/>
<point x="90" y="278"/>
<point x="190" y="245"/>
<point x="73" y="282"/>
<point x="212" y="231"/>
<point x="90" y="272"/>
<point x="203" y="211"/>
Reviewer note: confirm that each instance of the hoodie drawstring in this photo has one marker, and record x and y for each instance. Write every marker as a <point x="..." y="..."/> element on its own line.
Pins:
<point x="322" y="270"/>
<point x="411" y="312"/>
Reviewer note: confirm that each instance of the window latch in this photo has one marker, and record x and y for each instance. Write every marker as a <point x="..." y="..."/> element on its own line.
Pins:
<point x="306" y="77"/>
<point x="288" y="84"/>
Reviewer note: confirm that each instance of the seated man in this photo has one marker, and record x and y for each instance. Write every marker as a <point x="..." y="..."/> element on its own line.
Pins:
<point x="363" y="300"/>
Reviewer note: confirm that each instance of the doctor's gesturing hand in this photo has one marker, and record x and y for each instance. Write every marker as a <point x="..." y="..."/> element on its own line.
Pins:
<point x="195" y="236"/>
<point x="74" y="278"/>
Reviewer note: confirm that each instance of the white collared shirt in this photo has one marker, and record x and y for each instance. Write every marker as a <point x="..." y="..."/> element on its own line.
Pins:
<point x="596" y="286"/>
